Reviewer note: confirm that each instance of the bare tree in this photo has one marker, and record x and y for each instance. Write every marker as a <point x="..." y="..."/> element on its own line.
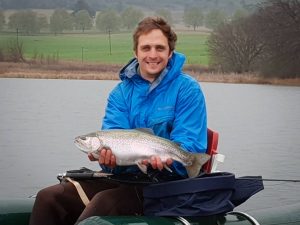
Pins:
<point x="279" y="24"/>
<point x="16" y="51"/>
<point x="266" y="42"/>
<point x="236" y="46"/>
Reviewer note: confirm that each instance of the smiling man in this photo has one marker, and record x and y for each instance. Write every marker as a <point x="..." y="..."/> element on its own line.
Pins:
<point x="153" y="54"/>
<point x="153" y="93"/>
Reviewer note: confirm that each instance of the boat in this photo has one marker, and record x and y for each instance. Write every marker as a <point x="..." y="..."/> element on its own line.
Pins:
<point x="17" y="212"/>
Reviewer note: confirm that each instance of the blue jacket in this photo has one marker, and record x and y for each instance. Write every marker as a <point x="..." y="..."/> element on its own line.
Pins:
<point x="173" y="106"/>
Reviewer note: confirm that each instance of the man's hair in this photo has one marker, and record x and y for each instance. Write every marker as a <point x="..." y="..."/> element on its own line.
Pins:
<point x="150" y="23"/>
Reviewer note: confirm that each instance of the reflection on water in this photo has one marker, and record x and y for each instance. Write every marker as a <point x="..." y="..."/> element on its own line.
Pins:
<point x="259" y="130"/>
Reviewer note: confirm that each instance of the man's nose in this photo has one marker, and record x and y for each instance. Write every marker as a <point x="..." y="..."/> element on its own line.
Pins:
<point x="153" y="53"/>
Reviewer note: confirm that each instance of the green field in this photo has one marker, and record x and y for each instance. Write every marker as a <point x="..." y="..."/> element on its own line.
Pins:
<point x="96" y="47"/>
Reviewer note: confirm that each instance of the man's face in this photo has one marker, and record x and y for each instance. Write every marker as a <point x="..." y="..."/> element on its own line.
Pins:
<point x="152" y="53"/>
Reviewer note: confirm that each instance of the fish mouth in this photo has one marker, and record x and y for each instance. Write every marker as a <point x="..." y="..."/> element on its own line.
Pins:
<point x="79" y="145"/>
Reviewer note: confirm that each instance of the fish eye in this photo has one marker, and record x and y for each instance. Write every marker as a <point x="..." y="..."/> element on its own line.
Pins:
<point x="83" y="138"/>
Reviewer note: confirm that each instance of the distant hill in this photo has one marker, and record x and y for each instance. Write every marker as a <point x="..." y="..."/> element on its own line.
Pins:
<point x="228" y="6"/>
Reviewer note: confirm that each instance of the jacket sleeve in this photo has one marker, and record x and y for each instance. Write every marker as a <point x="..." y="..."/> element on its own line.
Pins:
<point x="116" y="117"/>
<point x="190" y="123"/>
<point x="116" y="112"/>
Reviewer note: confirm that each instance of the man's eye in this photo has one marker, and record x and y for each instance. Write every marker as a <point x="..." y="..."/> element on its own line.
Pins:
<point x="160" y="48"/>
<point x="145" y="48"/>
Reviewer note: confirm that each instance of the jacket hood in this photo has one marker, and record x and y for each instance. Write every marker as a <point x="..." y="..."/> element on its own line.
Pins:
<point x="172" y="70"/>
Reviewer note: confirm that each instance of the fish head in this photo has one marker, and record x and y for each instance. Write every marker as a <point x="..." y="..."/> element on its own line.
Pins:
<point x="88" y="143"/>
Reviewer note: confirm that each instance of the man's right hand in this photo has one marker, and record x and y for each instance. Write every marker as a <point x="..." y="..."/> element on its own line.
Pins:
<point x="106" y="158"/>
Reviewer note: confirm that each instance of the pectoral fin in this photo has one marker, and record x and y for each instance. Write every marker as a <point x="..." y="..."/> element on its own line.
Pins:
<point x="168" y="168"/>
<point x="142" y="167"/>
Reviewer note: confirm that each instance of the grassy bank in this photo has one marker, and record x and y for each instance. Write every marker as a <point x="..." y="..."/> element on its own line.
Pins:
<point x="98" y="48"/>
<point x="90" y="56"/>
<point x="96" y="71"/>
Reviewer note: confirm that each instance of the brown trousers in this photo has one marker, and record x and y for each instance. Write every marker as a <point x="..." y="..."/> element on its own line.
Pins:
<point x="61" y="205"/>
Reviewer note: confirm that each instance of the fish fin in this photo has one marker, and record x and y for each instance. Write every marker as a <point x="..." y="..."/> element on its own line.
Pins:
<point x="199" y="159"/>
<point x="168" y="168"/>
<point x="145" y="130"/>
<point x="96" y="155"/>
<point x="178" y="144"/>
<point x="142" y="167"/>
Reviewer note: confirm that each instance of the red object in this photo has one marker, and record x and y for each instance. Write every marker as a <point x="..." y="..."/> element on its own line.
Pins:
<point x="212" y="149"/>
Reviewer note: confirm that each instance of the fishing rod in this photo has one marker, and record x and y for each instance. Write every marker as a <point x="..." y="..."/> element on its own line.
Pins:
<point x="85" y="173"/>
<point x="269" y="179"/>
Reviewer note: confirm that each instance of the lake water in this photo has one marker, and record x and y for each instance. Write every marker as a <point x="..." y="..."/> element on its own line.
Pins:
<point x="259" y="129"/>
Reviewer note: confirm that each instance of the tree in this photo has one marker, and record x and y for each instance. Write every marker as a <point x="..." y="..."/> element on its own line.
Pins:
<point x="42" y="22"/>
<point x="240" y="13"/>
<point x="15" y="51"/>
<point x="82" y="5"/>
<point x="60" y="20"/>
<point x="26" y="21"/>
<point x="193" y="17"/>
<point x="215" y="18"/>
<point x="266" y="42"/>
<point x="166" y="14"/>
<point x="236" y="46"/>
<point x="279" y="24"/>
<point x="130" y="17"/>
<point x="2" y="20"/>
<point x="83" y="20"/>
<point x="108" y="21"/>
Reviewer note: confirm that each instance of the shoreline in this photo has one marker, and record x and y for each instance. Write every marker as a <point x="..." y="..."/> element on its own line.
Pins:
<point x="96" y="71"/>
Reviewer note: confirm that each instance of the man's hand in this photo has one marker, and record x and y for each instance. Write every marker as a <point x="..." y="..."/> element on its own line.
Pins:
<point x="156" y="162"/>
<point x="106" y="158"/>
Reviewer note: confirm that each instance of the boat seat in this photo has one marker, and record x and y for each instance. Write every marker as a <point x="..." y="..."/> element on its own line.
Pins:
<point x="212" y="150"/>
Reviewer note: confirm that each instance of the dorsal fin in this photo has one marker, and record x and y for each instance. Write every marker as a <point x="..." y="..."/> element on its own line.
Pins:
<point x="145" y="130"/>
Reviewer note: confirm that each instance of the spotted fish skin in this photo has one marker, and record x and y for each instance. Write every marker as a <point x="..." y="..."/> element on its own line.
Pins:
<point x="131" y="146"/>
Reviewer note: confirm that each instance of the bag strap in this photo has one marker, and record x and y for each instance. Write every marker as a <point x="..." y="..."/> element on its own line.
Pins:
<point x="80" y="191"/>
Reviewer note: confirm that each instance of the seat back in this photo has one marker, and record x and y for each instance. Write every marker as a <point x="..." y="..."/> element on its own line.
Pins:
<point x="212" y="149"/>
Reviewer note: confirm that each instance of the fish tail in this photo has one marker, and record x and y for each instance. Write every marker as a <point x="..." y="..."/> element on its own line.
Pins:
<point x="198" y="160"/>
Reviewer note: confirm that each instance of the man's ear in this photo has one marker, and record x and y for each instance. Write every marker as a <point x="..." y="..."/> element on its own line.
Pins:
<point x="135" y="53"/>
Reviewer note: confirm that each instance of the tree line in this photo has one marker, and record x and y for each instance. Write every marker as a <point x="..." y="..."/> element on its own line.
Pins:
<point x="266" y="42"/>
<point x="29" y="22"/>
<point x="228" y="6"/>
<point x="83" y="18"/>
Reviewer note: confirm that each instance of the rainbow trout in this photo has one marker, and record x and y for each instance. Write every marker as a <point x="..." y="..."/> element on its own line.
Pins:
<point x="132" y="146"/>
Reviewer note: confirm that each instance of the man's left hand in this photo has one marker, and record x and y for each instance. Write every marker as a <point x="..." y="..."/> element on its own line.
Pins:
<point x="156" y="162"/>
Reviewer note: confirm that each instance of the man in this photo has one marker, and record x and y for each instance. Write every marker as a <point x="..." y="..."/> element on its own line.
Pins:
<point x="154" y="93"/>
